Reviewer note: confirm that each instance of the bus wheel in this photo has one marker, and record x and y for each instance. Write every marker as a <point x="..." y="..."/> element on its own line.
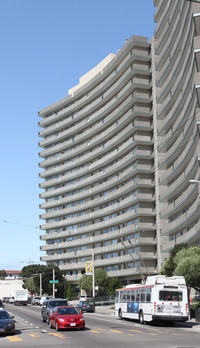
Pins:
<point x="141" y="317"/>
<point x="120" y="314"/>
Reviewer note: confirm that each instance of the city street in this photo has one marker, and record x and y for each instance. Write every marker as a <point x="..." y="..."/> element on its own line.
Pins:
<point x="102" y="330"/>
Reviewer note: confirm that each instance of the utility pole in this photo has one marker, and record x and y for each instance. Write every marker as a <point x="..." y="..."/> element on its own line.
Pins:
<point x="53" y="283"/>
<point x="93" y="280"/>
<point x="40" y="284"/>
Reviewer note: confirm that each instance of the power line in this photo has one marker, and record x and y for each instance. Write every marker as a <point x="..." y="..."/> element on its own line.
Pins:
<point x="138" y="267"/>
<point x="18" y="223"/>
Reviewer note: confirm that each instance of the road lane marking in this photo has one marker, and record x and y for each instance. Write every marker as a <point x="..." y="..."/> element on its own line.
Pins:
<point x="33" y="335"/>
<point x="94" y="331"/>
<point x="116" y="331"/>
<point x="56" y="334"/>
<point x="101" y="329"/>
<point x="136" y="330"/>
<point x="14" y="338"/>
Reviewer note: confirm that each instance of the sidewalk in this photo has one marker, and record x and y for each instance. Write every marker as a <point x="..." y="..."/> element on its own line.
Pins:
<point x="190" y="324"/>
<point x="105" y="310"/>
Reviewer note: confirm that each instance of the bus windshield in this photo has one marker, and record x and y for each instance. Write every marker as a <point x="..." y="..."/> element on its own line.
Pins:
<point x="170" y="296"/>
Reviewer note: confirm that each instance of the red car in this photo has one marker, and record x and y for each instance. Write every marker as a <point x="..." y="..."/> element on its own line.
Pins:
<point x="66" y="317"/>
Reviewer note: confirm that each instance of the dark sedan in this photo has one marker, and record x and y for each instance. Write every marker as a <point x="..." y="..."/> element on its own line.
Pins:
<point x="85" y="306"/>
<point x="7" y="325"/>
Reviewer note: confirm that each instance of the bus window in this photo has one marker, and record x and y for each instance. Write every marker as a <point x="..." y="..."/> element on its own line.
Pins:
<point x="137" y="296"/>
<point x="124" y="297"/>
<point x="170" y="296"/>
<point x="148" y="297"/>
<point x="143" y="292"/>
<point x="117" y="297"/>
<point x="133" y="297"/>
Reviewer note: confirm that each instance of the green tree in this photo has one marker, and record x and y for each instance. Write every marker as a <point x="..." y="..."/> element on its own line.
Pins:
<point x="184" y="261"/>
<point x="2" y="274"/>
<point x="85" y="282"/>
<point x="34" y="271"/>
<point x="30" y="285"/>
<point x="113" y="284"/>
<point x="70" y="293"/>
<point x="101" y="280"/>
<point x="187" y="263"/>
<point x="169" y="265"/>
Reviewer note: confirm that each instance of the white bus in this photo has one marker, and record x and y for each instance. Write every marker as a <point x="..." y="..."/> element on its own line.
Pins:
<point x="161" y="298"/>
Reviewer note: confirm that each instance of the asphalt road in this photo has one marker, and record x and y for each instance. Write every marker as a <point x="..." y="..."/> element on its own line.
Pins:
<point x="101" y="331"/>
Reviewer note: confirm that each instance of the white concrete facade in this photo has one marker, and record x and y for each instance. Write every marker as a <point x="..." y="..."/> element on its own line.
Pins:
<point x="176" y="108"/>
<point x="98" y="171"/>
<point x="118" y="153"/>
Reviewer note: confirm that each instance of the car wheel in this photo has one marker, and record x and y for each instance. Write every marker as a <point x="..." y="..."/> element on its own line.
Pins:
<point x="120" y="314"/>
<point x="57" y="328"/>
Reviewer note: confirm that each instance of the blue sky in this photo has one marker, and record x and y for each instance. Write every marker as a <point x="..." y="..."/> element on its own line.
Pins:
<point x="46" y="45"/>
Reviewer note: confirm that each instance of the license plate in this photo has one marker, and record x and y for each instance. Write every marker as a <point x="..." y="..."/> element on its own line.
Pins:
<point x="1" y="330"/>
<point x="73" y="324"/>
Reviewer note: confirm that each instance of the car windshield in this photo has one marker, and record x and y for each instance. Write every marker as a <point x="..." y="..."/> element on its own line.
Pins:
<point x="67" y="311"/>
<point x="4" y="315"/>
<point x="57" y="303"/>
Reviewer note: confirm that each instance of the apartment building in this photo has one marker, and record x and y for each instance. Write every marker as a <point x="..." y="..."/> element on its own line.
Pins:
<point x="176" y="82"/>
<point x="118" y="154"/>
<point x="99" y="169"/>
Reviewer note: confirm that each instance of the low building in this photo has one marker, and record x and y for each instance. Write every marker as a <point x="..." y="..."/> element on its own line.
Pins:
<point x="12" y="274"/>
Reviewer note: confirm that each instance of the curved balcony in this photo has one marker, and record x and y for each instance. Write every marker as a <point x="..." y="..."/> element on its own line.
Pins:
<point x="187" y="218"/>
<point x="170" y="33"/>
<point x="131" y="273"/>
<point x="177" y="78"/>
<point x="186" y="199"/>
<point x="180" y="140"/>
<point x="88" y="96"/>
<point x="160" y="13"/>
<point x="179" y="166"/>
<point x="165" y="63"/>
<point x="191" y="237"/>
<point x="103" y="224"/>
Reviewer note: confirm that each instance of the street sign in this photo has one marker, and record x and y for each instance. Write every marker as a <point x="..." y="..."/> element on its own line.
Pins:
<point x="53" y="281"/>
